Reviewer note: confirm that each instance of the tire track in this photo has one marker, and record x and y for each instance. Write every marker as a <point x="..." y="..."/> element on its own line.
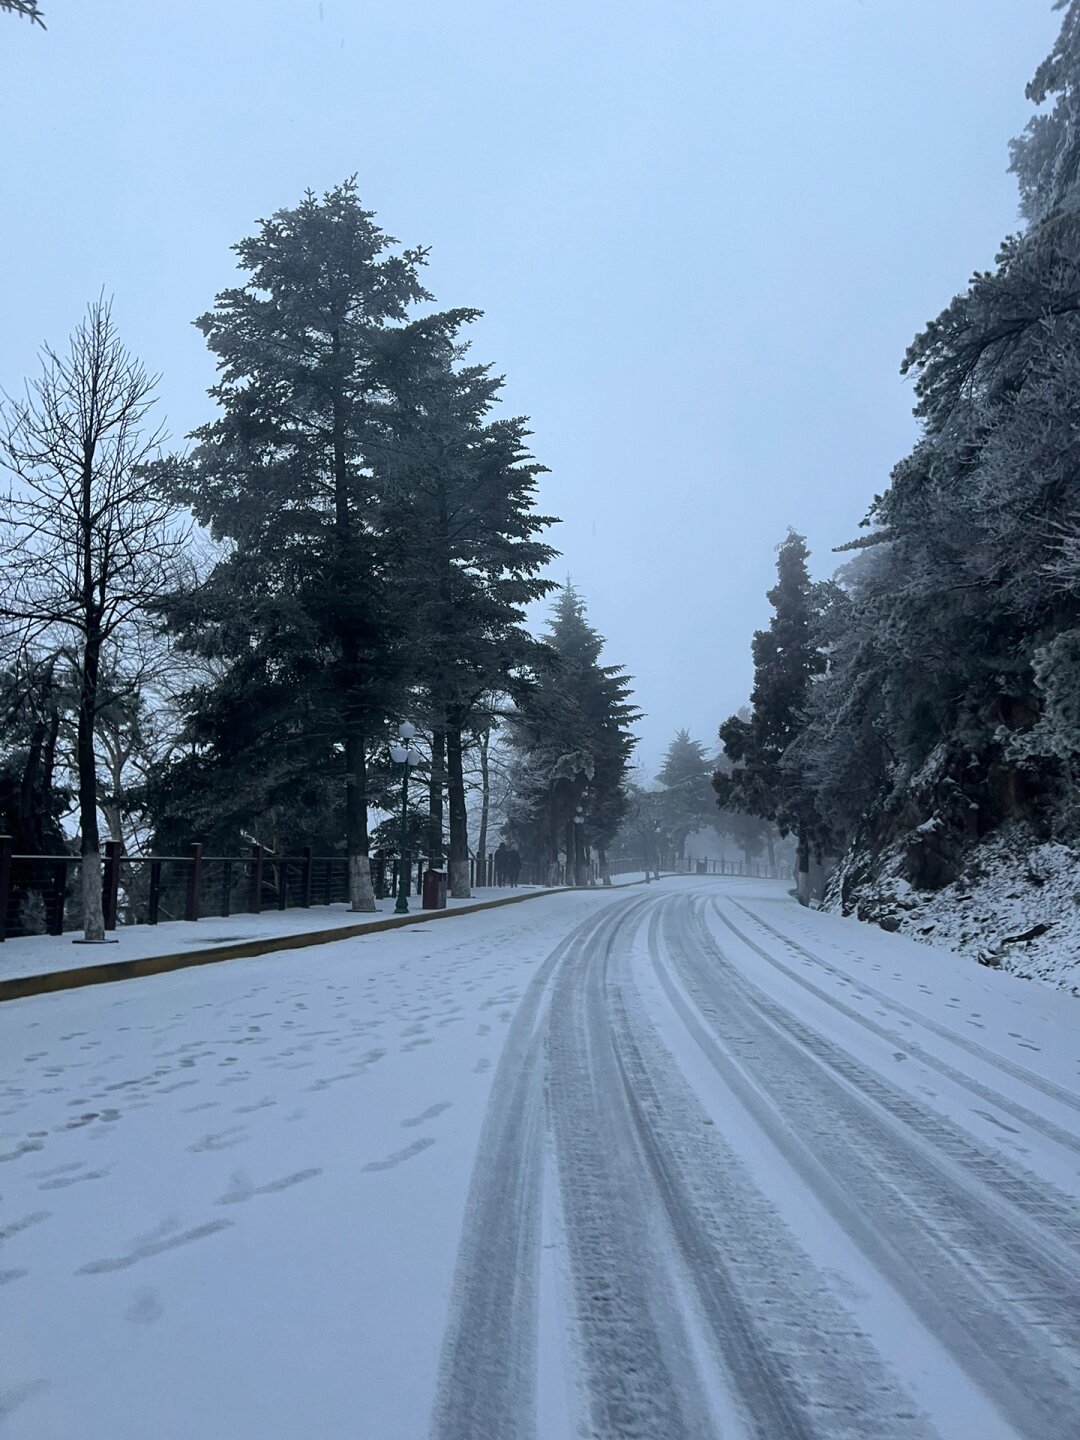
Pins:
<point x="972" y="1047"/>
<point x="1038" y="1200"/>
<point x="487" y="1372"/>
<point x="639" y="1381"/>
<point x="1000" y="1302"/>
<point x="655" y="1206"/>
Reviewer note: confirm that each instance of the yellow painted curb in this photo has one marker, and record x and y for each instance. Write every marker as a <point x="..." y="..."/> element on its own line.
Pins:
<point x="21" y="986"/>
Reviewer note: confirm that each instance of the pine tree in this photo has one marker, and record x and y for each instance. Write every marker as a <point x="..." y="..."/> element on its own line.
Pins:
<point x="462" y="537"/>
<point x="687" y="799"/>
<point x="766" y="779"/>
<point x="573" y="743"/>
<point x="301" y="607"/>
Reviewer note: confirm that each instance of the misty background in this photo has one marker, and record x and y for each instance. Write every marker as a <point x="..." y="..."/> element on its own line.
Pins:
<point x="702" y="237"/>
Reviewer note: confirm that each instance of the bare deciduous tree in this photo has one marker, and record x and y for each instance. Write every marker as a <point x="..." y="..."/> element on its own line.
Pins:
<point x="89" y="540"/>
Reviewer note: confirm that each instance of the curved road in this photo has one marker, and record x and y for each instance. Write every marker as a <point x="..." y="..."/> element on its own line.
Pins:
<point x="677" y="1141"/>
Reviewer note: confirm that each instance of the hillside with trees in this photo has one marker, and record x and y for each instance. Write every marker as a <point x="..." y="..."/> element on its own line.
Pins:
<point x="919" y="722"/>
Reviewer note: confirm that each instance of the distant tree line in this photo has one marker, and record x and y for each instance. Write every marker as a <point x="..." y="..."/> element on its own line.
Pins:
<point x="368" y="545"/>
<point x="930" y="692"/>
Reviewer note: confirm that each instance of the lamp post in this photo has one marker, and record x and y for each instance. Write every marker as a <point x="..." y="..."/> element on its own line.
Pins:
<point x="402" y="754"/>
<point x="579" y="848"/>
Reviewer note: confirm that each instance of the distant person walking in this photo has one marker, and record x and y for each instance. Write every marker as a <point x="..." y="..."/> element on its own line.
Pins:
<point x="500" y="865"/>
<point x="513" y="867"/>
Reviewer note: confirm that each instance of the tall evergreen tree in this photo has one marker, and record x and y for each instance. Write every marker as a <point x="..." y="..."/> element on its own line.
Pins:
<point x="766" y="778"/>
<point x="573" y="742"/>
<point x="687" y="800"/>
<point x="288" y="475"/>
<point x="462" y="536"/>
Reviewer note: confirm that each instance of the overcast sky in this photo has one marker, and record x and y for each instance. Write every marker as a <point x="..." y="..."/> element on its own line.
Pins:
<point x="702" y="232"/>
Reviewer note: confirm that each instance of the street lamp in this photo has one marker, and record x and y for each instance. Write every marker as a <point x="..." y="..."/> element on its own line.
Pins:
<point x="402" y="754"/>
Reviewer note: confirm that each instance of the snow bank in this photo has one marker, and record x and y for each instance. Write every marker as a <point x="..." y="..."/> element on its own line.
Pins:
<point x="1016" y="907"/>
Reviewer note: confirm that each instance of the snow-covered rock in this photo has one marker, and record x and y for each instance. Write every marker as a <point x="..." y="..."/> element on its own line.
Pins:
<point x="1015" y="906"/>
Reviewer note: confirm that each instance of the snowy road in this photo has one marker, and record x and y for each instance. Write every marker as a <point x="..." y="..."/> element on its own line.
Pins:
<point x="684" y="1161"/>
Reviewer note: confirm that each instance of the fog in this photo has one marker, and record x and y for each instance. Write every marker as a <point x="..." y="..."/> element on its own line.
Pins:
<point x="702" y="235"/>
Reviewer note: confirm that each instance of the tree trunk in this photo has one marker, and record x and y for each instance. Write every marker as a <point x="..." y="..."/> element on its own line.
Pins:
<point x="605" y="868"/>
<point x="485" y="810"/>
<point x="553" y="838"/>
<point x="802" y="873"/>
<point x="459" y="818"/>
<point x="92" y="913"/>
<point x="436" y="785"/>
<point x="117" y="757"/>
<point x="48" y="770"/>
<point x="361" y="891"/>
<point x="772" y="848"/>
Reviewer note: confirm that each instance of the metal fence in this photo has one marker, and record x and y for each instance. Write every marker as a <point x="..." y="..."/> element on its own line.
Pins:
<point x="42" y="894"/>
<point x="752" y="868"/>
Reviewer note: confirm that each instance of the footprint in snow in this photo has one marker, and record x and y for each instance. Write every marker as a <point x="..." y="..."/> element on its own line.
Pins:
<point x="399" y="1156"/>
<point x="234" y="1135"/>
<point x="63" y="1181"/>
<point x="23" y="1223"/>
<point x="429" y="1114"/>
<point x="56" y="1170"/>
<point x="263" y="1104"/>
<point x="241" y="1187"/>
<point x="25" y="1147"/>
<point x="146" y="1252"/>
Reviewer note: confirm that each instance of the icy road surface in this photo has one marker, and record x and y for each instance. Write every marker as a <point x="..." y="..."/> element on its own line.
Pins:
<point x="676" y="1161"/>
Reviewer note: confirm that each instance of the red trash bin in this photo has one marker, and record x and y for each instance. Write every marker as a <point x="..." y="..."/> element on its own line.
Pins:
<point x="434" y="890"/>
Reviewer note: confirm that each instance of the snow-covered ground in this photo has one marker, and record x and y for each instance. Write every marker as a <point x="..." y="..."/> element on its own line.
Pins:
<point x="1017" y="906"/>
<point x="43" y="954"/>
<point x="676" y="1161"/>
